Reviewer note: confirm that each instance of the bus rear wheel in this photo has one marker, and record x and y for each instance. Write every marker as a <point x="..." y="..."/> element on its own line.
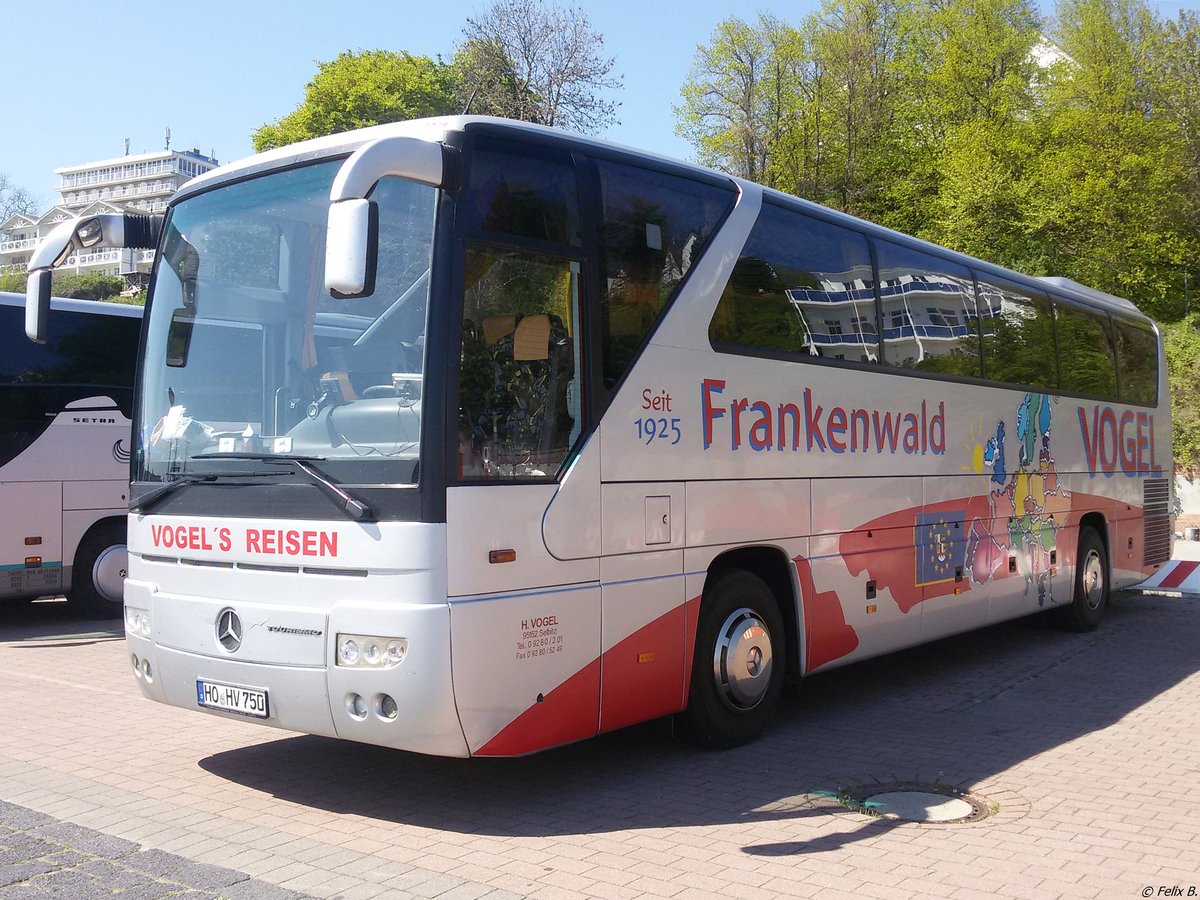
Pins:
<point x="98" y="577"/>
<point x="738" y="666"/>
<point x="1090" y="596"/>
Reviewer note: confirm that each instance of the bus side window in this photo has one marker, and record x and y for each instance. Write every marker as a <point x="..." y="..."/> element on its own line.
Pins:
<point x="930" y="321"/>
<point x="1018" y="336"/>
<point x="1087" y="359"/>
<point x="521" y="190"/>
<point x="802" y="286"/>
<point x="518" y="412"/>
<point x="655" y="225"/>
<point x="1137" y="355"/>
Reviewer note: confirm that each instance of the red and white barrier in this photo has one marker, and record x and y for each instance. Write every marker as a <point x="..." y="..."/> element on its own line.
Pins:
<point x="1181" y="575"/>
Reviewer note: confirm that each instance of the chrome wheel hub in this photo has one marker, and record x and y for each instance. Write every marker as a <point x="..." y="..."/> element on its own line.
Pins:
<point x="742" y="660"/>
<point x="108" y="573"/>
<point x="1093" y="580"/>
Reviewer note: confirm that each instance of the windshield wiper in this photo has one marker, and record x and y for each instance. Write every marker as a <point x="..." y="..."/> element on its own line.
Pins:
<point x="351" y="506"/>
<point x="347" y="503"/>
<point x="169" y="487"/>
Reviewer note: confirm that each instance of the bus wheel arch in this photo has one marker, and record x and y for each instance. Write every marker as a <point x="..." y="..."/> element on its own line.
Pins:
<point x="745" y="646"/>
<point x="98" y="571"/>
<point x="1091" y="581"/>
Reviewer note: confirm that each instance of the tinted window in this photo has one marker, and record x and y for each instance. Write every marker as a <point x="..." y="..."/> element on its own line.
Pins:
<point x="1137" y="354"/>
<point x="655" y="226"/>
<point x="520" y="191"/>
<point x="85" y="355"/>
<point x="929" y="317"/>
<point x="1087" y="362"/>
<point x="801" y="286"/>
<point x="519" y="402"/>
<point x="81" y="348"/>
<point x="1018" y="336"/>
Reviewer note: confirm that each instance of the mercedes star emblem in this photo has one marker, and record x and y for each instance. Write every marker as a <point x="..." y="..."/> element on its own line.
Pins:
<point x="229" y="630"/>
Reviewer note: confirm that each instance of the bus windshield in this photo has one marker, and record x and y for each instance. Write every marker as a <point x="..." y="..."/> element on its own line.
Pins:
<point x="247" y="354"/>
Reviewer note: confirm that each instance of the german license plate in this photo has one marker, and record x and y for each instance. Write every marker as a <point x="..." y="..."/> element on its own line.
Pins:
<point x="232" y="698"/>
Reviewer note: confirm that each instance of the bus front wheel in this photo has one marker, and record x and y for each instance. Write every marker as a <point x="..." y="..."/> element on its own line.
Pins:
<point x="738" y="666"/>
<point x="98" y="577"/>
<point x="1086" y="608"/>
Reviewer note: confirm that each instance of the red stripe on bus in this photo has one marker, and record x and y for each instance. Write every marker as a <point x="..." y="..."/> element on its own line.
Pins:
<point x="641" y="677"/>
<point x="567" y="713"/>
<point x="827" y="636"/>
<point x="1179" y="574"/>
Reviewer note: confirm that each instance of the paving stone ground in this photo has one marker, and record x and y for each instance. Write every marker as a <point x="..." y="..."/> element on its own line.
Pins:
<point x="1084" y="748"/>
<point x="42" y="857"/>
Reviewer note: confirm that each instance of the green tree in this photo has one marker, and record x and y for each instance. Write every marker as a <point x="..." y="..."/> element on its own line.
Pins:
<point x="1107" y="197"/>
<point x="1174" y="70"/>
<point x="87" y="287"/>
<point x="1175" y="84"/>
<point x="737" y="96"/>
<point x="854" y="102"/>
<point x="1182" y="344"/>
<point x="967" y="73"/>
<point x="356" y="90"/>
<point x="853" y="108"/>
<point x="971" y="61"/>
<point x="980" y="203"/>
<point x="76" y="287"/>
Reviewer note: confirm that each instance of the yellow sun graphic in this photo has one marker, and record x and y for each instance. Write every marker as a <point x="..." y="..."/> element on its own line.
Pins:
<point x="975" y="449"/>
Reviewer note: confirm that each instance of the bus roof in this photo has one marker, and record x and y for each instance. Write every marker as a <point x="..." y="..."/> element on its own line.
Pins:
<point x="436" y="130"/>
<point x="432" y="129"/>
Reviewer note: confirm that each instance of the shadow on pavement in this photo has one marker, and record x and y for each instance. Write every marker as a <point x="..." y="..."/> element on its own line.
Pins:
<point x="53" y="619"/>
<point x="957" y="712"/>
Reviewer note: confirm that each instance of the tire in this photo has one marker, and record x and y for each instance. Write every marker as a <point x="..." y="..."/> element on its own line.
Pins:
<point x="98" y="577"/>
<point x="1090" y="596"/>
<point x="739" y="662"/>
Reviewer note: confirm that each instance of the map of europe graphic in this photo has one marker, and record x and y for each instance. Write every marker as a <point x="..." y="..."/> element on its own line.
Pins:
<point x="1030" y="501"/>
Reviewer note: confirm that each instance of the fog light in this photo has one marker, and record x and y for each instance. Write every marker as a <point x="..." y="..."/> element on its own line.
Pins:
<point x="387" y="707"/>
<point x="365" y="651"/>
<point x="137" y="665"/>
<point x="357" y="706"/>
<point x="146" y="670"/>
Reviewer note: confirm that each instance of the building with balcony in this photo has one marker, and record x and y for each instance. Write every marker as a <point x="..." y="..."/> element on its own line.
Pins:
<point x="141" y="183"/>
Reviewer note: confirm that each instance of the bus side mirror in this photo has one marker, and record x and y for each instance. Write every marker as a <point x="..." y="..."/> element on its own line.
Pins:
<point x="37" y="305"/>
<point x="351" y="248"/>
<point x="109" y="230"/>
<point x="352" y="238"/>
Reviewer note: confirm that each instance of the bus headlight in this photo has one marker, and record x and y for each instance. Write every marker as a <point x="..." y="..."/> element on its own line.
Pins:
<point x="137" y="621"/>
<point x="366" y="651"/>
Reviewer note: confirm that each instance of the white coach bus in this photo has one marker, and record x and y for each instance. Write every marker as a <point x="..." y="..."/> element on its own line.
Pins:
<point x="65" y="410"/>
<point x="470" y="437"/>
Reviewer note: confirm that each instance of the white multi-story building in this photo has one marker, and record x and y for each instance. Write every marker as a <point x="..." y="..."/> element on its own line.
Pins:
<point x="139" y="183"/>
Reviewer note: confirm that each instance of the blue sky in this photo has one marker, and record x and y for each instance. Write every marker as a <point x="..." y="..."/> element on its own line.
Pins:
<point x="81" y="78"/>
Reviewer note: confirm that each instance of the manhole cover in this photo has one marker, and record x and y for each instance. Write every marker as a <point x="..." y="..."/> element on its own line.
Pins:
<point x="917" y="803"/>
<point x="918" y="806"/>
